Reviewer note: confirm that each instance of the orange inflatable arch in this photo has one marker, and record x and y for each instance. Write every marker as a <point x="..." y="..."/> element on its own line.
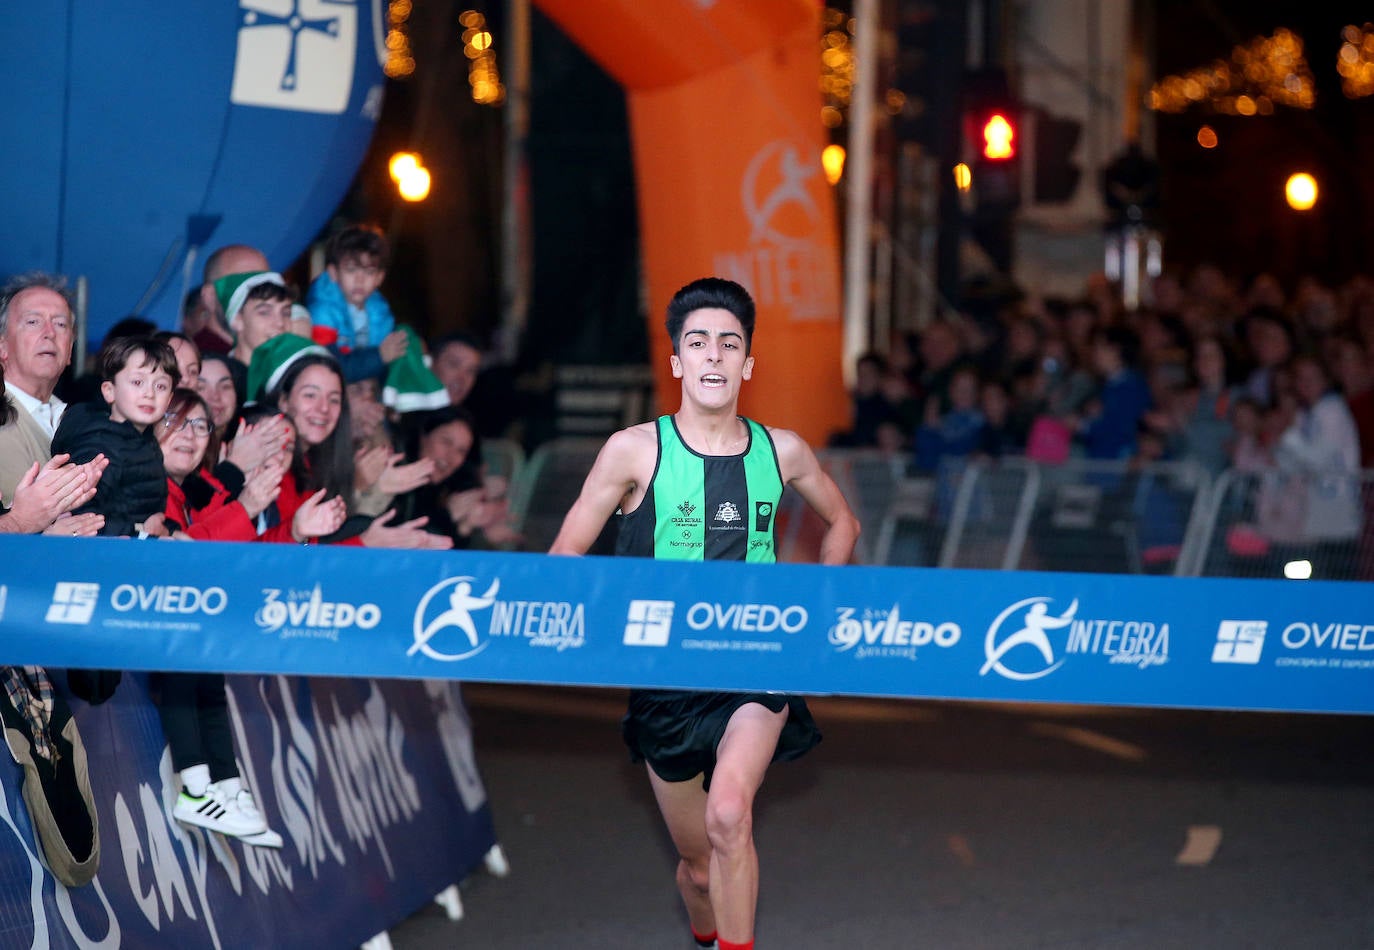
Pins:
<point x="724" y="118"/>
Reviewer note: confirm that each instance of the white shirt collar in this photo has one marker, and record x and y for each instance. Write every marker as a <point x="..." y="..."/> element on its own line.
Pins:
<point x="46" y="414"/>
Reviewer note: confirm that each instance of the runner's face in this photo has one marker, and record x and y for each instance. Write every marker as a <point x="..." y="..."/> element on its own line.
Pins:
<point x="710" y="360"/>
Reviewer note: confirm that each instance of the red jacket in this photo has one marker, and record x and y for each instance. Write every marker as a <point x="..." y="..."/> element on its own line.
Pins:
<point x="288" y="503"/>
<point x="219" y="519"/>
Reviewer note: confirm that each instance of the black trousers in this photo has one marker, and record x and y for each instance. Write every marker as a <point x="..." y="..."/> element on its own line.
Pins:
<point x="195" y="719"/>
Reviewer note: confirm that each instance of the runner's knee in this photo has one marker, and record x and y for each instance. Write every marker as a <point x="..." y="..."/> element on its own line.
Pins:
<point x="729" y="818"/>
<point x="695" y="874"/>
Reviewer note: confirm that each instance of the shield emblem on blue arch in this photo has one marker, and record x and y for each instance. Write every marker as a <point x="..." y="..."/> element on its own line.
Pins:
<point x="300" y="60"/>
<point x="146" y="117"/>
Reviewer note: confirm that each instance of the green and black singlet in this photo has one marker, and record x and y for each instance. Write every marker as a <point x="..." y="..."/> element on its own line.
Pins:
<point x="707" y="507"/>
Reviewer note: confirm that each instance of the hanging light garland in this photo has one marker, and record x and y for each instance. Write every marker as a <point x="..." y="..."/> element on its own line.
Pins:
<point x="1355" y="61"/>
<point x="480" y="50"/>
<point x="400" y="62"/>
<point x="1266" y="72"/>
<point x="837" y="66"/>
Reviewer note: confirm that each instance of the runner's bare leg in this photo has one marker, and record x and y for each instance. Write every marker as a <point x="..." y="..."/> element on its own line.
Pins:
<point x="719" y="825"/>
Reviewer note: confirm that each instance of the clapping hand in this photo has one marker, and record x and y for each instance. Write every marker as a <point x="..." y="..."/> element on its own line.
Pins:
<point x="398" y="478"/>
<point x="86" y="525"/>
<point x="255" y="443"/>
<point x="410" y="534"/>
<point x="55" y="488"/>
<point x="316" y="517"/>
<point x="368" y="464"/>
<point x="262" y="486"/>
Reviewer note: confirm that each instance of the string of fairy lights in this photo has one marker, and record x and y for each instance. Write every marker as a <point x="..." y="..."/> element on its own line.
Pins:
<point x="479" y="48"/>
<point x="1355" y="61"/>
<point x="1264" y="73"/>
<point x="1260" y="75"/>
<point x="400" y="61"/>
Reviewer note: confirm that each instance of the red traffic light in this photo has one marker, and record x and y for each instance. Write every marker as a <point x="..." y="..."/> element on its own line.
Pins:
<point x="999" y="138"/>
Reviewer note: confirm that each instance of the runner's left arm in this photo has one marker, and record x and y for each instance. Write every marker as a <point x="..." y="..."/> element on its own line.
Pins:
<point x="802" y="470"/>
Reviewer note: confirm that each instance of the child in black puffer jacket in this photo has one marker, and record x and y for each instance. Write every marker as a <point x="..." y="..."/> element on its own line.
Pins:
<point x="137" y="375"/>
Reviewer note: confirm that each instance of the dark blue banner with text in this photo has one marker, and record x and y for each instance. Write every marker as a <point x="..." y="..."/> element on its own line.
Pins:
<point x="371" y="784"/>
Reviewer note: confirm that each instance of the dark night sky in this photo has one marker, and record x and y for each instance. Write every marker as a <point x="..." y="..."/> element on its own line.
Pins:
<point x="1226" y="205"/>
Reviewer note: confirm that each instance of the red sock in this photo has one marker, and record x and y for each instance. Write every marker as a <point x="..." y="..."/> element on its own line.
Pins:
<point x="727" y="945"/>
<point x="703" y="940"/>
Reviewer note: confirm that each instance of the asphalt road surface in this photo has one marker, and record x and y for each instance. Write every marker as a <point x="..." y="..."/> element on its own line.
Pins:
<point x="942" y="825"/>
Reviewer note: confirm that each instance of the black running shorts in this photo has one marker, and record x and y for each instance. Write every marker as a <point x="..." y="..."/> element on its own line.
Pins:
<point x="677" y="732"/>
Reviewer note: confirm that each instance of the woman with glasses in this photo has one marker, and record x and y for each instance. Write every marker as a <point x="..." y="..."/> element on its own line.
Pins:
<point x="199" y="506"/>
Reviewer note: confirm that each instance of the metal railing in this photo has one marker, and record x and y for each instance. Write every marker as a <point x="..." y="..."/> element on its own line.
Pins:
<point x="1271" y="523"/>
<point x="547" y="486"/>
<point x="1016" y="514"/>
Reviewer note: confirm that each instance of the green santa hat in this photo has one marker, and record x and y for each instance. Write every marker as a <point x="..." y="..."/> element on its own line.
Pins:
<point x="232" y="289"/>
<point x="273" y="358"/>
<point x="410" y="384"/>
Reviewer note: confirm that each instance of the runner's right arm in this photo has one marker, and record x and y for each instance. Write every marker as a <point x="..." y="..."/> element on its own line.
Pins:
<point x="609" y="484"/>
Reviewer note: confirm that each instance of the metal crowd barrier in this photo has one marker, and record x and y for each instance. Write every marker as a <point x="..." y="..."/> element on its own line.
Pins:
<point x="547" y="485"/>
<point x="1015" y="514"/>
<point x="503" y="457"/>
<point x="1260" y="523"/>
<point x="1168" y="518"/>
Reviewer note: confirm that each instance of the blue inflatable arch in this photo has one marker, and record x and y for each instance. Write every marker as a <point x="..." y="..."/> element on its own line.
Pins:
<point x="142" y="134"/>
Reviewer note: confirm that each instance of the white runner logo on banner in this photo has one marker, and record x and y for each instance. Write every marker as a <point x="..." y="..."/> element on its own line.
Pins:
<point x="1035" y="622"/>
<point x="461" y="604"/>
<point x="785" y="263"/>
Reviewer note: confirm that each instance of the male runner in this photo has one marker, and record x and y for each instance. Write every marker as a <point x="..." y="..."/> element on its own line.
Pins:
<point x="705" y="483"/>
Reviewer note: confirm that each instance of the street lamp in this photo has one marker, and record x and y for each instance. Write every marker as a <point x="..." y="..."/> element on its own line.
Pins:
<point x="1301" y="191"/>
<point x="415" y="186"/>
<point x="402" y="164"/>
<point x="832" y="160"/>
<point x="412" y="178"/>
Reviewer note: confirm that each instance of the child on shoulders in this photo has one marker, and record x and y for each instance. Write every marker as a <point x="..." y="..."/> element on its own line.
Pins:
<point x="347" y="310"/>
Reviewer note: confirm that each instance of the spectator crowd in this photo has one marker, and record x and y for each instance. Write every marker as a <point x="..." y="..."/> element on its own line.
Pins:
<point x="1276" y="385"/>
<point x="269" y="416"/>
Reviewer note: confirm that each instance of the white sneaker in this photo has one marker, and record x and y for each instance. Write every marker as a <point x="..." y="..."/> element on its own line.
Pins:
<point x="263" y="839"/>
<point x="248" y="805"/>
<point x="217" y="811"/>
